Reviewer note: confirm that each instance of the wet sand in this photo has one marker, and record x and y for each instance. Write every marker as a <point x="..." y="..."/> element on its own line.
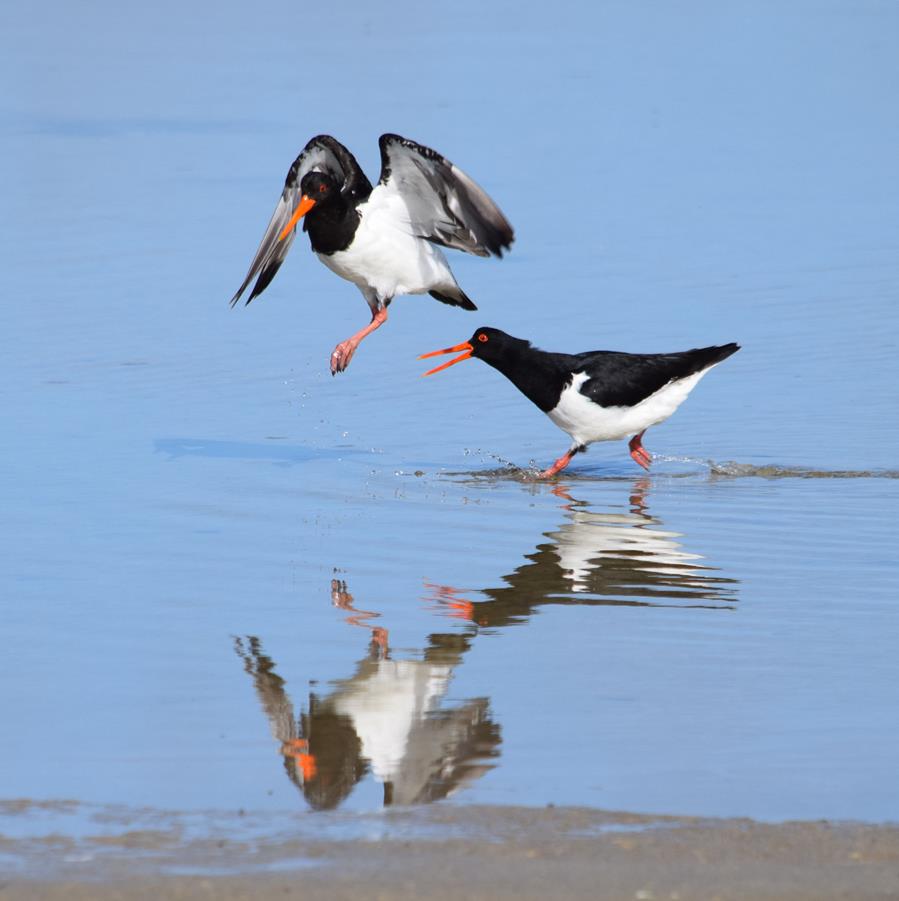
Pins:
<point x="495" y="853"/>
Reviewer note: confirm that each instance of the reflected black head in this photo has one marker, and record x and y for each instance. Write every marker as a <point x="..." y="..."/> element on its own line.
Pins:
<point x="337" y="752"/>
<point x="319" y="186"/>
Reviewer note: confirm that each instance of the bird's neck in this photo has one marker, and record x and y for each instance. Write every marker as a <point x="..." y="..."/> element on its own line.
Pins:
<point x="332" y="227"/>
<point x="535" y="373"/>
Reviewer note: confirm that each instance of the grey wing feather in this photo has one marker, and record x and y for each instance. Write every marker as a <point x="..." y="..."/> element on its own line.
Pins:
<point x="271" y="252"/>
<point x="445" y="205"/>
<point x="322" y="153"/>
<point x="269" y="688"/>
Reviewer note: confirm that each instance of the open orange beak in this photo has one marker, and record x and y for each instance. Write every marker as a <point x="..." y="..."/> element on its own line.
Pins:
<point x="306" y="204"/>
<point x="466" y="346"/>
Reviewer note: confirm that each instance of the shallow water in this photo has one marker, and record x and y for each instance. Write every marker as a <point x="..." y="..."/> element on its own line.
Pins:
<point x="235" y="582"/>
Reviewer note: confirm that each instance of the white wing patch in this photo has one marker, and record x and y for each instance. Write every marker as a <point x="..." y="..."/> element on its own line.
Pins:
<point x="386" y="258"/>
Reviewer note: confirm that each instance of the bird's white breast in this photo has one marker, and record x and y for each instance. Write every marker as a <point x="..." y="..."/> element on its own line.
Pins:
<point x="385" y="706"/>
<point x="587" y="421"/>
<point x="385" y="258"/>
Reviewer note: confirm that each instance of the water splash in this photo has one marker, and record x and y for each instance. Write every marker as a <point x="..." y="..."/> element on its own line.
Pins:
<point x="691" y="468"/>
<point x="732" y="469"/>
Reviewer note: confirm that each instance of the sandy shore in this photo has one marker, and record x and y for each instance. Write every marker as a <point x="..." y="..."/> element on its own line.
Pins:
<point x="477" y="853"/>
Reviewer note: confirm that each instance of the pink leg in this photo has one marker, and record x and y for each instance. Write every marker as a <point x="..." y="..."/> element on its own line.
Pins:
<point x="559" y="465"/>
<point x="638" y="452"/>
<point x="638" y="496"/>
<point x="379" y="640"/>
<point x="562" y="492"/>
<point x="343" y="353"/>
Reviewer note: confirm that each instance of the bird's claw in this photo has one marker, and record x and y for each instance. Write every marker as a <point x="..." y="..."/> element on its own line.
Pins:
<point x="379" y="640"/>
<point x="557" y="467"/>
<point x="340" y="596"/>
<point x="640" y="455"/>
<point x="645" y="461"/>
<point x="341" y="356"/>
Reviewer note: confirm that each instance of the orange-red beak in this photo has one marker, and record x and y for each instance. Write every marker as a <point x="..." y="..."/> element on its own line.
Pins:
<point x="306" y="204"/>
<point x="466" y="346"/>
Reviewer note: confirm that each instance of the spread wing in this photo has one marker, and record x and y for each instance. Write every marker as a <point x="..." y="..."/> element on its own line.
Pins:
<point x="444" y="205"/>
<point x="323" y="154"/>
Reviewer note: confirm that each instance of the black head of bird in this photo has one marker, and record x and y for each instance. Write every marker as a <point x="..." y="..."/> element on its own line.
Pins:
<point x="317" y="189"/>
<point x="319" y="186"/>
<point x="492" y="345"/>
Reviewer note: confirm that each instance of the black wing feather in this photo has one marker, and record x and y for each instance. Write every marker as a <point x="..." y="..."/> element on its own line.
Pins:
<point x="620" y="379"/>
<point x="322" y="153"/>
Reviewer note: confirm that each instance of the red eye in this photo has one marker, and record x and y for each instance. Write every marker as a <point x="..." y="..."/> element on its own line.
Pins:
<point x="482" y="338"/>
<point x="321" y="188"/>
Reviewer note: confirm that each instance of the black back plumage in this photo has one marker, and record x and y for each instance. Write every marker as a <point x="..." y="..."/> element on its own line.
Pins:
<point x="623" y="380"/>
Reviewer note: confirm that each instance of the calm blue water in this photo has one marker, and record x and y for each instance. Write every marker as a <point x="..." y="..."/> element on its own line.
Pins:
<point x="203" y="530"/>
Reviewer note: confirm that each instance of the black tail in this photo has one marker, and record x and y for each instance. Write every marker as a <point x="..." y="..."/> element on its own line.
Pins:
<point x="457" y="299"/>
<point x="708" y="356"/>
<point x="681" y="365"/>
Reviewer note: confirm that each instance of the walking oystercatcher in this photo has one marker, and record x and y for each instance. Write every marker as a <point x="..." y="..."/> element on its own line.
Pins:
<point x="599" y="395"/>
<point x="383" y="238"/>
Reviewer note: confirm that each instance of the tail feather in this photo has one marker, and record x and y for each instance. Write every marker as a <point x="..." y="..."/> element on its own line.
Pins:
<point x="709" y="356"/>
<point x="454" y="296"/>
<point x="699" y="359"/>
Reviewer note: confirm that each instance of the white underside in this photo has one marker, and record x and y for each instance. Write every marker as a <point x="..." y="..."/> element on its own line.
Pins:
<point x="386" y="258"/>
<point x="587" y="422"/>
<point x="590" y="540"/>
<point x="386" y="706"/>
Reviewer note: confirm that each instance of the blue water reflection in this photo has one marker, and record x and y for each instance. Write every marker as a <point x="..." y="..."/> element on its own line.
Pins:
<point x="389" y="719"/>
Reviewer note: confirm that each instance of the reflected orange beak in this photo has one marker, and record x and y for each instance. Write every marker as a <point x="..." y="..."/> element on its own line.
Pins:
<point x="306" y="204"/>
<point x="307" y="765"/>
<point x="466" y="346"/>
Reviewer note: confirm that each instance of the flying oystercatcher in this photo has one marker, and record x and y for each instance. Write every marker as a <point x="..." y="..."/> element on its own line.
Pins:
<point x="599" y="395"/>
<point x="382" y="238"/>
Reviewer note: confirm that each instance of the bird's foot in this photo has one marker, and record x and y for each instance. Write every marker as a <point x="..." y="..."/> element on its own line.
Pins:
<point x="379" y="640"/>
<point x="342" y="354"/>
<point x="641" y="456"/>
<point x="340" y="596"/>
<point x="561" y="491"/>
<point x="558" y="466"/>
<point x="638" y="495"/>
<point x="643" y="459"/>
